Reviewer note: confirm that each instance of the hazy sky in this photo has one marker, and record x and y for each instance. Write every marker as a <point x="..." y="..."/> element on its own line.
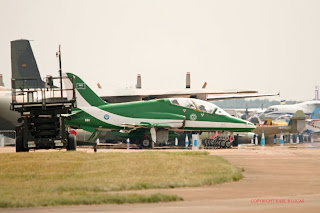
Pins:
<point x="267" y="46"/>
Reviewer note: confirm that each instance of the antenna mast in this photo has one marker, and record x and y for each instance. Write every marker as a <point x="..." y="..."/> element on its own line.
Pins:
<point x="60" y="72"/>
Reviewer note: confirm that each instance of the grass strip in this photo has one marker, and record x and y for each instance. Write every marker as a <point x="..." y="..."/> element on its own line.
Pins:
<point x="72" y="178"/>
<point x="88" y="199"/>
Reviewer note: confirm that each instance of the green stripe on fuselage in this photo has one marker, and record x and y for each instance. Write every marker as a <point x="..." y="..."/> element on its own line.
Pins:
<point x="162" y="109"/>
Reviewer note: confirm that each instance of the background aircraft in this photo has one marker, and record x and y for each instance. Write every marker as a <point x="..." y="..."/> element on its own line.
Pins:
<point x="8" y="118"/>
<point x="24" y="66"/>
<point x="310" y="108"/>
<point x="138" y="93"/>
<point x="2" y="87"/>
<point x="151" y="119"/>
<point x="313" y="125"/>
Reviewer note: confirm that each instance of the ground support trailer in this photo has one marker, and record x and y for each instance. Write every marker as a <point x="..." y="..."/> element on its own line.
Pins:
<point x="43" y="112"/>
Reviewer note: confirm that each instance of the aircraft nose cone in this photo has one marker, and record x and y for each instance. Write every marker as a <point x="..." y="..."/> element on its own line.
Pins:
<point x="248" y="124"/>
<point x="251" y="124"/>
<point x="242" y="125"/>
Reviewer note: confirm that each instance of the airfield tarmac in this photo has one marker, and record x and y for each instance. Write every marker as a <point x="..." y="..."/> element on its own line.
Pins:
<point x="276" y="179"/>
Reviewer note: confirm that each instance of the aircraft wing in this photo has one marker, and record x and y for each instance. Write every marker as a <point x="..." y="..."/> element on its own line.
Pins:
<point x="75" y="111"/>
<point x="125" y="95"/>
<point x="235" y="96"/>
<point x="131" y="94"/>
<point x="138" y="94"/>
<point x="167" y="93"/>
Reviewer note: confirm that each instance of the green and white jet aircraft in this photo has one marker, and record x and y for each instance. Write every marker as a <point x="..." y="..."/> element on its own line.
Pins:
<point x="150" y="121"/>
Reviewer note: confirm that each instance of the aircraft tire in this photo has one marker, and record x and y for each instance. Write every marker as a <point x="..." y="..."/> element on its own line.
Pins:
<point x="72" y="143"/>
<point x="146" y="143"/>
<point x="223" y="144"/>
<point x="19" y="145"/>
<point x="228" y="144"/>
<point x="205" y="143"/>
<point x="210" y="143"/>
<point x="217" y="144"/>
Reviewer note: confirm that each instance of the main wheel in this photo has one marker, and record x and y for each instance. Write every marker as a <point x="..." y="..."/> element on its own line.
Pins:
<point x="19" y="145"/>
<point x="146" y="143"/>
<point x="72" y="143"/>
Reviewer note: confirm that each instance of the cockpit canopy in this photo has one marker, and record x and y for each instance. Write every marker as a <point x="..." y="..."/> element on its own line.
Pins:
<point x="197" y="104"/>
<point x="271" y="109"/>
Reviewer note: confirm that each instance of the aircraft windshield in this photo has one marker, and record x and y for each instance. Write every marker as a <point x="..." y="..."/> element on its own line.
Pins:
<point x="184" y="102"/>
<point x="205" y="106"/>
<point x="198" y="105"/>
<point x="271" y="109"/>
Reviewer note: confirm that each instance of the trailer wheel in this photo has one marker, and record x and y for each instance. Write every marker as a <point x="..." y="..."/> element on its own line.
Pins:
<point x="19" y="145"/>
<point x="72" y="143"/>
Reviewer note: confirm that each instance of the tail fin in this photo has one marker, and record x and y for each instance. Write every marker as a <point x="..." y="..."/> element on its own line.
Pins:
<point x="84" y="95"/>
<point x="316" y="113"/>
<point x="204" y="85"/>
<point x="24" y="65"/>
<point x="138" y="81"/>
<point x="188" y="80"/>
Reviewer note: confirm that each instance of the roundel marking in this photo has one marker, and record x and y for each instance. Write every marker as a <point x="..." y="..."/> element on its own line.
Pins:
<point x="193" y="117"/>
<point x="106" y="116"/>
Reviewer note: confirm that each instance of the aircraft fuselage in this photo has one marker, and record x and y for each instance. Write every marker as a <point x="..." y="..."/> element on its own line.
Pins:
<point x="160" y="112"/>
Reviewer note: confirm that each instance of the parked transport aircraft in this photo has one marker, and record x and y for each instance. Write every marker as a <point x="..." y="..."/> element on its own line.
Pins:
<point x="310" y="108"/>
<point x="24" y="66"/>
